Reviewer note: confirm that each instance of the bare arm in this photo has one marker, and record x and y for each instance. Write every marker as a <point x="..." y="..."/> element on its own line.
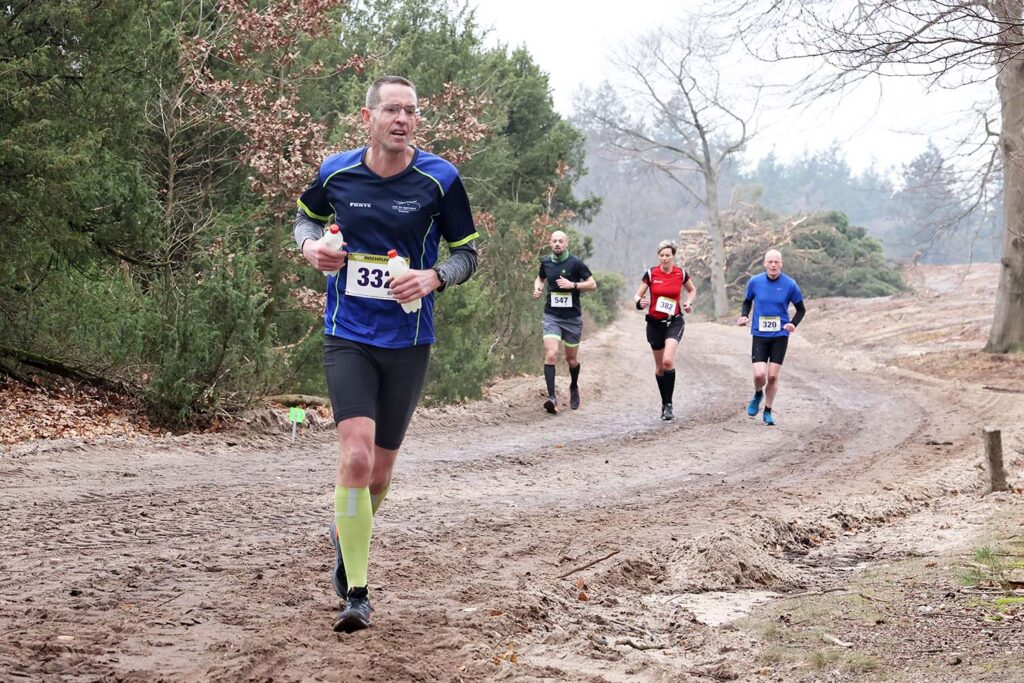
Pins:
<point x="640" y="297"/>
<point x="691" y="294"/>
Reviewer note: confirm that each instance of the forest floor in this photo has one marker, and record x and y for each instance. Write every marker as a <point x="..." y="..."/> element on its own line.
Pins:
<point x="854" y="541"/>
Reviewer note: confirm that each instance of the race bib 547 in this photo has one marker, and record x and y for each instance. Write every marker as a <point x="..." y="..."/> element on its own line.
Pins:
<point x="561" y="300"/>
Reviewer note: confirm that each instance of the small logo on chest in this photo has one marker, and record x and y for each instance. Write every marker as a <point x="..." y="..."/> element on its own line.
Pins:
<point x="360" y="205"/>
<point x="406" y="207"/>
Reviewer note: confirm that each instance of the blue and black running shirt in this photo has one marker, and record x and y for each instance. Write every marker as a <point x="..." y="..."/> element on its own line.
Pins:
<point x="771" y="303"/>
<point x="409" y="212"/>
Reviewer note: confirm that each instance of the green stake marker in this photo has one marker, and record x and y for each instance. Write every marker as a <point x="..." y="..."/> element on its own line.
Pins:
<point x="295" y="416"/>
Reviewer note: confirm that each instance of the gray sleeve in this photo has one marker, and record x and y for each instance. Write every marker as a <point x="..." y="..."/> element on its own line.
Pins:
<point x="459" y="266"/>
<point x="306" y="228"/>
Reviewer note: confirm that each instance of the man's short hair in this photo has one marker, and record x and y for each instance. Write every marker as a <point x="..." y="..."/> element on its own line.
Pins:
<point x="666" y="244"/>
<point x="373" y="92"/>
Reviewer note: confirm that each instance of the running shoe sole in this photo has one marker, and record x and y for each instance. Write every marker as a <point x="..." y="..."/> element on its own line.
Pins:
<point x="549" y="405"/>
<point x="338" y="578"/>
<point x="350" y="621"/>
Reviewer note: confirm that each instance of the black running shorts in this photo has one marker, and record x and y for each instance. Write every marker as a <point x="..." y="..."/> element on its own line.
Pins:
<point x="768" y="349"/>
<point x="658" y="331"/>
<point x="381" y="384"/>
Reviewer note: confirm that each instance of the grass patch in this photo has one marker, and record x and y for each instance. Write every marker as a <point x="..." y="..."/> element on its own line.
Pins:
<point x="859" y="662"/>
<point x="778" y="654"/>
<point x="987" y="569"/>
<point x="808" y="612"/>
<point x="821" y="659"/>
<point x="1009" y="602"/>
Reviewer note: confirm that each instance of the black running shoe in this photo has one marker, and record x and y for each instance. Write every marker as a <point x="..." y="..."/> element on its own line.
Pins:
<point x="549" y="405"/>
<point x="356" y="615"/>
<point x="574" y="397"/>
<point x="666" y="412"/>
<point x="338" y="578"/>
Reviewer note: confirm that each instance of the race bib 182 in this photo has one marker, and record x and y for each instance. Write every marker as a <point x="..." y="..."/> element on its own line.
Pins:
<point x="769" y="323"/>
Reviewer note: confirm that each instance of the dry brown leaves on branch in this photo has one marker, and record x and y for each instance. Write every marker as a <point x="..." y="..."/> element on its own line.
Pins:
<point x="282" y="142"/>
<point x="67" y="410"/>
<point x="747" y="234"/>
<point x="309" y="300"/>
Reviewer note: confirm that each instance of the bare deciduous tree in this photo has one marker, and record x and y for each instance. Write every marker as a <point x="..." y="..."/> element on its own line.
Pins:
<point x="680" y="121"/>
<point x="944" y="43"/>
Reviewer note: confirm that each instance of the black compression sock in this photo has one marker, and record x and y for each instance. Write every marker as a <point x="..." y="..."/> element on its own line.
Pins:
<point x="661" y="387"/>
<point x="549" y="377"/>
<point x="670" y="385"/>
<point x="574" y="375"/>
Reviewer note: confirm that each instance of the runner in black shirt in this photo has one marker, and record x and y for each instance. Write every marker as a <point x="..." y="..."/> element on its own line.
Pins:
<point x="566" y="276"/>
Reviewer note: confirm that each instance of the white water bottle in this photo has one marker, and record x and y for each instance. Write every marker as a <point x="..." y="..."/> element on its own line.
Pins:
<point x="396" y="267"/>
<point x="333" y="239"/>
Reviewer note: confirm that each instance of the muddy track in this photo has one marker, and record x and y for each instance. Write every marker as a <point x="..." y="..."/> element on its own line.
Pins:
<point x="206" y="558"/>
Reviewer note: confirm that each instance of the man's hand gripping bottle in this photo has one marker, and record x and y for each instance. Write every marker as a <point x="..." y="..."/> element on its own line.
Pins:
<point x="333" y="239"/>
<point x="397" y="267"/>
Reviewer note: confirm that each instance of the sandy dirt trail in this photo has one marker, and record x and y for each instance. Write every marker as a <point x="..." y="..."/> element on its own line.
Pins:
<point x="206" y="557"/>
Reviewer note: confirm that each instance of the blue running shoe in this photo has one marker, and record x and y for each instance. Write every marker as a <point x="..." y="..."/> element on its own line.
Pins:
<point x="755" y="405"/>
<point x="768" y="419"/>
<point x="338" y="577"/>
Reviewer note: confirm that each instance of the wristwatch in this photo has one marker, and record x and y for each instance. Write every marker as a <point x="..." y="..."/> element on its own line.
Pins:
<point x="440" y="278"/>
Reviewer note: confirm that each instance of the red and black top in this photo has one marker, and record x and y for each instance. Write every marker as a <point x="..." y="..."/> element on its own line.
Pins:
<point x="665" y="291"/>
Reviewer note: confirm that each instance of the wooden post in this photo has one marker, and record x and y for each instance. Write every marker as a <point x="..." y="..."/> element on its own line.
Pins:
<point x="994" y="454"/>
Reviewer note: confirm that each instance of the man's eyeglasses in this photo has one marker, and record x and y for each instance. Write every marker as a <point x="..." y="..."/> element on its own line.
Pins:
<point x="394" y="109"/>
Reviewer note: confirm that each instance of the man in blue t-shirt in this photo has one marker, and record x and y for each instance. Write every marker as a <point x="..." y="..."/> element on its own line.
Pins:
<point x="388" y="196"/>
<point x="770" y="293"/>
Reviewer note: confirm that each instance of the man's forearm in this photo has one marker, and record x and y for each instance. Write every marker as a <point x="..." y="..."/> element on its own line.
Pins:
<point x="461" y="263"/>
<point x="745" y="309"/>
<point x="306" y="228"/>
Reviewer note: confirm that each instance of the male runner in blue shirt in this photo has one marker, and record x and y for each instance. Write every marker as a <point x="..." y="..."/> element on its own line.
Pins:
<point x="771" y="292"/>
<point x="389" y="195"/>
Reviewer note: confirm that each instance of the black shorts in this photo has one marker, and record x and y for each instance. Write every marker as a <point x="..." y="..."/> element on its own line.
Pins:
<point x="768" y="349"/>
<point x="381" y="384"/>
<point x="658" y="331"/>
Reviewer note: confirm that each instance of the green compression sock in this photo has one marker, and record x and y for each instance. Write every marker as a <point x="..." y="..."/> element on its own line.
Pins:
<point x="353" y="515"/>
<point x="377" y="498"/>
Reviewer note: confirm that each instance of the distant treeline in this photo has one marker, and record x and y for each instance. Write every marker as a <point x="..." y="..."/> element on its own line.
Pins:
<point x="921" y="213"/>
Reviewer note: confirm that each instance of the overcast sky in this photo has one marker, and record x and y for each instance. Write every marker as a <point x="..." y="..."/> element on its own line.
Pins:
<point x="571" y="39"/>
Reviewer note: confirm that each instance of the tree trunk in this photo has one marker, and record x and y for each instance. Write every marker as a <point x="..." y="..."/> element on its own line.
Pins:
<point x="1007" y="334"/>
<point x="718" y="295"/>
